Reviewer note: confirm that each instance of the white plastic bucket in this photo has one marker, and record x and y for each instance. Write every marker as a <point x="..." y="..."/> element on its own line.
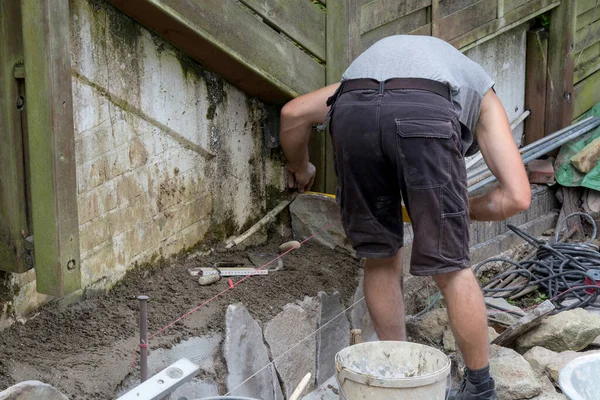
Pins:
<point x="392" y="370"/>
<point x="579" y="379"/>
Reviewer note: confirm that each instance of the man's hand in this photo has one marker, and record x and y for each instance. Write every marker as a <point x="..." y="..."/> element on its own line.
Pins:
<point x="302" y="179"/>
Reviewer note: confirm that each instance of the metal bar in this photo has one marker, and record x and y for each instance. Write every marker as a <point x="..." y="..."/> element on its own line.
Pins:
<point x="143" y="337"/>
<point x="539" y="152"/>
<point x="536" y="144"/>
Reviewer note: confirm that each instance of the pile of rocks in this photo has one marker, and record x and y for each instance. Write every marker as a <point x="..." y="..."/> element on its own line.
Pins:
<point x="530" y="368"/>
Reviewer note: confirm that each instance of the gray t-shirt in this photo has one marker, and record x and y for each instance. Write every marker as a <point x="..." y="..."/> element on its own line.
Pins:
<point x="409" y="56"/>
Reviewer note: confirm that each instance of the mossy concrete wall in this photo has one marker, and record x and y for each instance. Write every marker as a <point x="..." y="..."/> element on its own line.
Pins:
<point x="168" y="154"/>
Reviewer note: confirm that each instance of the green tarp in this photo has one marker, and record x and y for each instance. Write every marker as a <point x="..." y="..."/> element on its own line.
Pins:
<point x="566" y="174"/>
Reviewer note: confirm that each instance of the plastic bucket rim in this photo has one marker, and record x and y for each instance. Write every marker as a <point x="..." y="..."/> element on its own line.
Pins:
<point x="421" y="380"/>
<point x="565" y="383"/>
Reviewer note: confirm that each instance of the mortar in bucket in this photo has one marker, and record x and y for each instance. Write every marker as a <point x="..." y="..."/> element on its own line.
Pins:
<point x="392" y="370"/>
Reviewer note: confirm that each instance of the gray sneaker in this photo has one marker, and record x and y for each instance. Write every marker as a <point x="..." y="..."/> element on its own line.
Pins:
<point x="468" y="391"/>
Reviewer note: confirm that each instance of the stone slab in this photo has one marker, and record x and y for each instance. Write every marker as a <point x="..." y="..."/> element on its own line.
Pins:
<point x="199" y="350"/>
<point x="195" y="389"/>
<point x="333" y="337"/>
<point x="515" y="378"/>
<point x="246" y="354"/>
<point x="31" y="390"/>
<point x="293" y="347"/>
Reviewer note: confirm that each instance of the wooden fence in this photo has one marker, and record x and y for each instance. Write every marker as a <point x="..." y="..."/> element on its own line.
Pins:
<point x="587" y="56"/>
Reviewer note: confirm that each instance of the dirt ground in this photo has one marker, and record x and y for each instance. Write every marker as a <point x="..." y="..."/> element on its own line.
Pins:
<point x="85" y="349"/>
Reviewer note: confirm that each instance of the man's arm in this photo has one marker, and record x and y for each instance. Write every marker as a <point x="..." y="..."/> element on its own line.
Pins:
<point x="512" y="194"/>
<point x="297" y="119"/>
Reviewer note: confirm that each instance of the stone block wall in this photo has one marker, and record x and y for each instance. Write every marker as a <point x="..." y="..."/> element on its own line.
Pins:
<point x="167" y="153"/>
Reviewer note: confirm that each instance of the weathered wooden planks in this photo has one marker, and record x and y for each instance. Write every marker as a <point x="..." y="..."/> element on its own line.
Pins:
<point x="588" y="36"/>
<point x="301" y="20"/>
<point x="402" y="25"/>
<point x="46" y="39"/>
<point x="467" y="19"/>
<point x="535" y="84"/>
<point x="510" y="19"/>
<point x="584" y="6"/>
<point x="587" y="62"/>
<point x="559" y="89"/>
<point x="586" y="94"/>
<point x="13" y="213"/>
<point x="587" y="18"/>
<point x="510" y="5"/>
<point x="380" y="12"/>
<point x="225" y="37"/>
<point x="448" y="7"/>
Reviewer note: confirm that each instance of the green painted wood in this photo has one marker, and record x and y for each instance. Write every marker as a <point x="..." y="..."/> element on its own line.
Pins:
<point x="467" y="19"/>
<point x="228" y="39"/>
<point x="586" y="94"/>
<point x="510" y="19"/>
<point x="301" y="20"/>
<point x="402" y="25"/>
<point x="380" y="12"/>
<point x="535" y="84"/>
<point x="584" y="20"/>
<point x="587" y="37"/>
<point x="584" y="6"/>
<point x="46" y="39"/>
<point x="13" y="202"/>
<point x="338" y="60"/>
<point x="448" y="7"/>
<point x="587" y="62"/>
<point x="559" y="89"/>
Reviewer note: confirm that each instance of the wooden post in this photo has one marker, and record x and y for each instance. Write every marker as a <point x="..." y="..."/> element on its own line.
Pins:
<point x="435" y="18"/>
<point x="337" y="62"/>
<point x="46" y="40"/>
<point x="535" y="84"/>
<point x="559" y="88"/>
<point x="13" y="199"/>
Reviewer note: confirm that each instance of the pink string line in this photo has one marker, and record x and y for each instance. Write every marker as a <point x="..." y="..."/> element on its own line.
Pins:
<point x="231" y="286"/>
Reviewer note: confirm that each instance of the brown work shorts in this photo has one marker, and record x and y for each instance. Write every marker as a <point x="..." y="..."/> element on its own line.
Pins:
<point x="401" y="144"/>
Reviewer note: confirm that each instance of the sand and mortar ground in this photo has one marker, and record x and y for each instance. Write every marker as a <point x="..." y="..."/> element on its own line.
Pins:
<point x="85" y="349"/>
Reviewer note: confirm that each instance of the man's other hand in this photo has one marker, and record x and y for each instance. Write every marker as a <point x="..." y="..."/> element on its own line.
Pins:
<point x="301" y="179"/>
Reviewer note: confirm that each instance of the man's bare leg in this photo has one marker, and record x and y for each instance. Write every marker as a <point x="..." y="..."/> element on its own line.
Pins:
<point x="384" y="295"/>
<point x="467" y="315"/>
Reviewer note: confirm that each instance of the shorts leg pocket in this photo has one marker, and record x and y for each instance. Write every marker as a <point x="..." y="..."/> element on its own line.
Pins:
<point x="453" y="236"/>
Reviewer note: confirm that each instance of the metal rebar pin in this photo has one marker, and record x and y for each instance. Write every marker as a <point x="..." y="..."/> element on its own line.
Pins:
<point x="143" y="299"/>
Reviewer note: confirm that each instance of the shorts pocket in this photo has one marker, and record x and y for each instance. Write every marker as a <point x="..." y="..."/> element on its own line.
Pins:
<point x="424" y="148"/>
<point x="453" y="236"/>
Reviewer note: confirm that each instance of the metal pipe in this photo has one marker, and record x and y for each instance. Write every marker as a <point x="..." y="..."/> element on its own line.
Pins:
<point x="539" y="152"/>
<point x="533" y="146"/>
<point x="143" y="336"/>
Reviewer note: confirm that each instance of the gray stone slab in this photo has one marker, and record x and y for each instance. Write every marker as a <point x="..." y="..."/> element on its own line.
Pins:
<point x="199" y="350"/>
<point x="515" y="379"/>
<point x="31" y="390"/>
<point x="195" y="389"/>
<point x="290" y="335"/>
<point x="311" y="213"/>
<point x="333" y="337"/>
<point x="246" y="354"/>
<point x="360" y="317"/>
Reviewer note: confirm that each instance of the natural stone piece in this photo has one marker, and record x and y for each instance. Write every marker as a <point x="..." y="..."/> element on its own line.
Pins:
<point x="429" y="328"/>
<point x="326" y="391"/>
<point x="245" y="354"/>
<point x="32" y="390"/>
<point x="261" y="260"/>
<point x="449" y="340"/>
<point x="503" y="316"/>
<point x="202" y="351"/>
<point x="515" y="379"/>
<point x="333" y="337"/>
<point x="311" y="213"/>
<point x="285" y="333"/>
<point x="548" y="362"/>
<point x="195" y="389"/>
<point x="531" y="320"/>
<point x="548" y="391"/>
<point x="288" y="246"/>
<point x="588" y="157"/>
<point x="360" y="317"/>
<point x="568" y="330"/>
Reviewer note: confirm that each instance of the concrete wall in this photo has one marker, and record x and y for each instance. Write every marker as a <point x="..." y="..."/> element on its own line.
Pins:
<point x="504" y="60"/>
<point x="146" y="117"/>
